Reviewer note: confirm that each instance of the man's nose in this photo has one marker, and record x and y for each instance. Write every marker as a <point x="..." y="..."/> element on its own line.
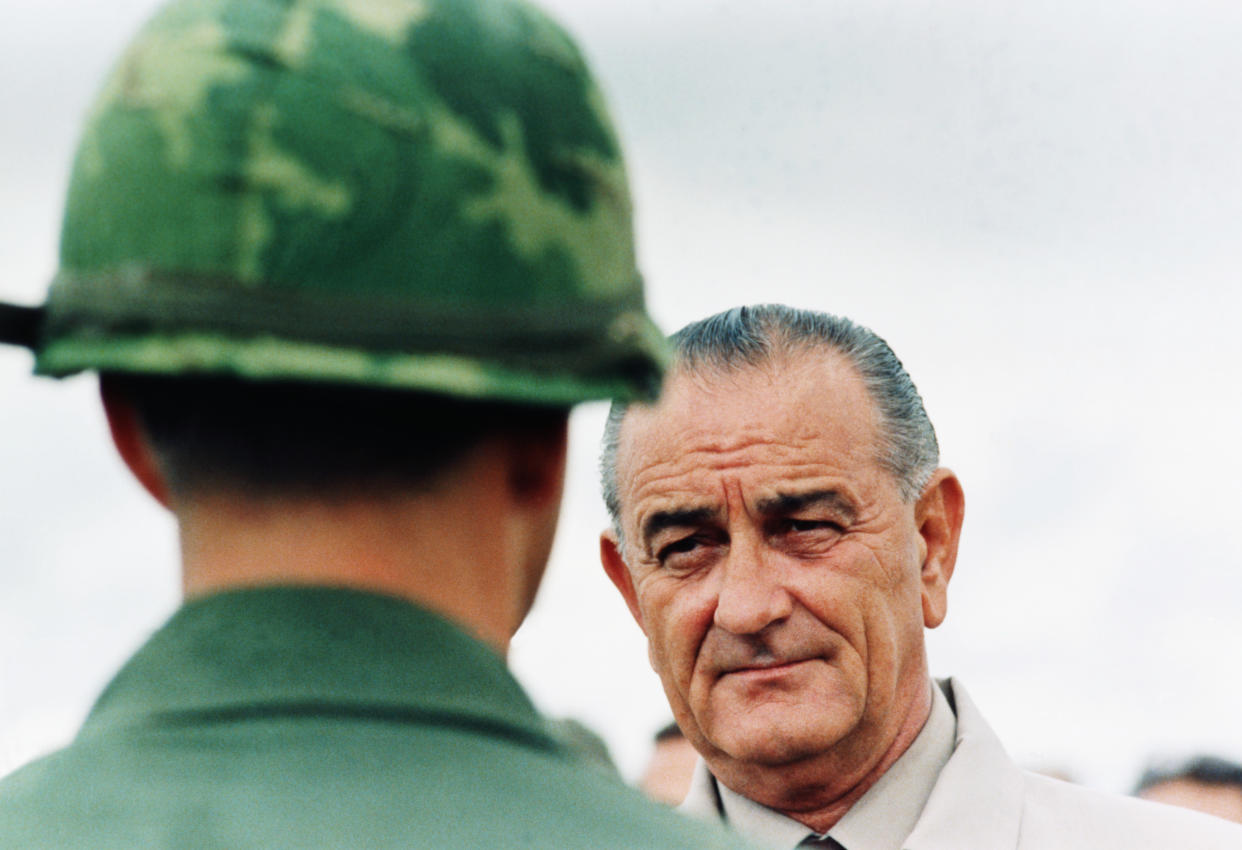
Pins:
<point x="752" y="594"/>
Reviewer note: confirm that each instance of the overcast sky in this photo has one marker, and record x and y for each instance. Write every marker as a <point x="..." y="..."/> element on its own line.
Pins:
<point x="1038" y="206"/>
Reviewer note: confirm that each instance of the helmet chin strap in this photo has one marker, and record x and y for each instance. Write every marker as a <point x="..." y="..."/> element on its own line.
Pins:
<point x="20" y="325"/>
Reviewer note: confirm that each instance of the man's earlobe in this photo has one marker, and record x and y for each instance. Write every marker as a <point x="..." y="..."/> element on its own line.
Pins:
<point x="619" y="573"/>
<point x="132" y="444"/>
<point x="939" y="514"/>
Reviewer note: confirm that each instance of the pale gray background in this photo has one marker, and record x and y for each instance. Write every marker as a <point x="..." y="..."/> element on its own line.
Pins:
<point x="1037" y="204"/>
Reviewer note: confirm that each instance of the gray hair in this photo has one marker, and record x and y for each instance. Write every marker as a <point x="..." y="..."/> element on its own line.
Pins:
<point x="752" y="336"/>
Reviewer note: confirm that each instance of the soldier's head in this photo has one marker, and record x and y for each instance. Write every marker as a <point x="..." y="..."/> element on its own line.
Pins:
<point x="335" y="247"/>
<point x="283" y="440"/>
<point x="344" y="218"/>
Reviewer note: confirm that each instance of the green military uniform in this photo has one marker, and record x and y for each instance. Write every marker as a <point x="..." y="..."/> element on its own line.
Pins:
<point x="323" y="718"/>
<point x="404" y="195"/>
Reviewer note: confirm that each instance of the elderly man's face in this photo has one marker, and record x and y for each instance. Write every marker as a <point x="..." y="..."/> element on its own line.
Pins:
<point x="782" y="582"/>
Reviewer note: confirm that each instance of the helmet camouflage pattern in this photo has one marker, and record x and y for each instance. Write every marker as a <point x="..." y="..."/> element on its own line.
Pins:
<point x="421" y="194"/>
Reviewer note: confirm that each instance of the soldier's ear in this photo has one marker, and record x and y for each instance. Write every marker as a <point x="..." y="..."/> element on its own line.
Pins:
<point x="619" y="572"/>
<point x="131" y="442"/>
<point x="537" y="459"/>
<point x="938" y="515"/>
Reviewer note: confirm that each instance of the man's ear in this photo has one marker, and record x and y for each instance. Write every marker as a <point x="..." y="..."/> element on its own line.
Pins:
<point x="537" y="460"/>
<point x="619" y="573"/>
<point x="938" y="515"/>
<point x="131" y="442"/>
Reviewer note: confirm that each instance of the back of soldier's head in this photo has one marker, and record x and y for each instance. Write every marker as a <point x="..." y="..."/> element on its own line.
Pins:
<point x="334" y="227"/>
<point x="281" y="439"/>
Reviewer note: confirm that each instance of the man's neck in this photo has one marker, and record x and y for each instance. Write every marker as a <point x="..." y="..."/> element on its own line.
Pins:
<point x="447" y="551"/>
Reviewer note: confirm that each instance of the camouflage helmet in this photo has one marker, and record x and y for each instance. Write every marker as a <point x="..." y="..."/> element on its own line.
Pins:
<point x="421" y="194"/>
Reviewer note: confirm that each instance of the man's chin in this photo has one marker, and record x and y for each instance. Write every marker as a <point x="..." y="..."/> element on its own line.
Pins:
<point x="777" y="728"/>
<point x="774" y="744"/>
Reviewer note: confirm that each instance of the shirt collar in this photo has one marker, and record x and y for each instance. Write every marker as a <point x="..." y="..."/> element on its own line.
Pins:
<point x="318" y="648"/>
<point x="883" y="817"/>
<point x="758" y="824"/>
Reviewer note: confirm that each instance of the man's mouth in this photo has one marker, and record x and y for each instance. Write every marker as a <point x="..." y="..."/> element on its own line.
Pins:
<point x="767" y="667"/>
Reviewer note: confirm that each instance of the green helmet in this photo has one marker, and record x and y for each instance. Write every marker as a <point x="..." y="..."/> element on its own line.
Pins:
<point x="421" y="194"/>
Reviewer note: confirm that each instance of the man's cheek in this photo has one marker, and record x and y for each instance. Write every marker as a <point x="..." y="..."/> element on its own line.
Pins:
<point x="666" y="660"/>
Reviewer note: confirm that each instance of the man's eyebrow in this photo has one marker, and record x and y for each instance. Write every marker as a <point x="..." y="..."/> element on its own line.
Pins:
<point x="661" y="520"/>
<point x="788" y="503"/>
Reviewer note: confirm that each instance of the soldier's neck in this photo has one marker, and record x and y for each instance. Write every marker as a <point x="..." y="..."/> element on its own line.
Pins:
<point x="450" y="550"/>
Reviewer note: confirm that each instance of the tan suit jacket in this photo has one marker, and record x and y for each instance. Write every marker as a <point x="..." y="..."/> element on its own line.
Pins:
<point x="983" y="801"/>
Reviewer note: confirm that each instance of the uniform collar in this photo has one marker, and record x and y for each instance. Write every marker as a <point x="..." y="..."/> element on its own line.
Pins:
<point x="280" y="650"/>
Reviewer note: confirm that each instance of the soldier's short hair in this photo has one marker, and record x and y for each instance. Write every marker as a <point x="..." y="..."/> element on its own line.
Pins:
<point x="326" y="441"/>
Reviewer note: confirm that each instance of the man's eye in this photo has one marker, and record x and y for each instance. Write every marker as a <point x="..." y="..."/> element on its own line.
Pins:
<point x="677" y="547"/>
<point x="812" y="525"/>
<point x="808" y="531"/>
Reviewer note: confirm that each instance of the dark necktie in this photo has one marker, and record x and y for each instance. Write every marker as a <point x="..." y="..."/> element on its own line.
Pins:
<point x="824" y="843"/>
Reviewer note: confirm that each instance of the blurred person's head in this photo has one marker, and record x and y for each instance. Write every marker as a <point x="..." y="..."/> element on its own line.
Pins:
<point x="1205" y="784"/>
<point x="667" y="776"/>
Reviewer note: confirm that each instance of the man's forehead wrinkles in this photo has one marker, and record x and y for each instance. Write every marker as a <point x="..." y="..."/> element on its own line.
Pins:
<point x="764" y="488"/>
<point x="707" y="480"/>
<point x="721" y="451"/>
<point x="699" y="447"/>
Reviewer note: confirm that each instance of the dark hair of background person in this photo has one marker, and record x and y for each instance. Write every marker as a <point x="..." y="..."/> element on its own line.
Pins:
<point x="284" y="438"/>
<point x="1206" y="770"/>
<point x="669" y="732"/>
